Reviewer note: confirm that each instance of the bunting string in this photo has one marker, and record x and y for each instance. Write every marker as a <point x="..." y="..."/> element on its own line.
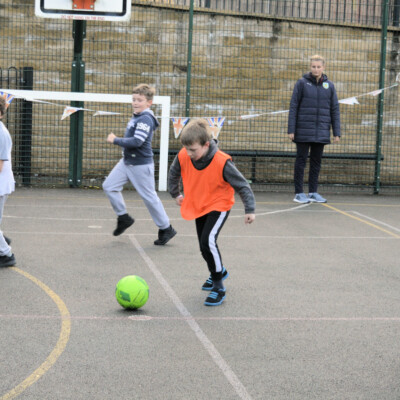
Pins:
<point x="178" y="123"/>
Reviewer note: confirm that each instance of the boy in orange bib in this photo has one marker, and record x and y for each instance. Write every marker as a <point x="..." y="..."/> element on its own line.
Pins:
<point x="210" y="180"/>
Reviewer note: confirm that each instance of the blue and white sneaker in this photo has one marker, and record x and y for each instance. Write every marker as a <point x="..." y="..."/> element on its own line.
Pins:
<point x="208" y="284"/>
<point x="316" y="198"/>
<point x="301" y="198"/>
<point x="215" y="298"/>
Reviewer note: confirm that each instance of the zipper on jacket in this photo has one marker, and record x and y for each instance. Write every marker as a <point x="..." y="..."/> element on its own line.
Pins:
<point x="317" y="124"/>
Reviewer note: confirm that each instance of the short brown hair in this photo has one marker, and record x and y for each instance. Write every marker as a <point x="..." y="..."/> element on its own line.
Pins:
<point x="196" y="131"/>
<point x="145" y="90"/>
<point x="3" y="105"/>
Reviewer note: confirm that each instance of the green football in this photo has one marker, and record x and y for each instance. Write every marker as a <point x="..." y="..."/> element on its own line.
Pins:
<point x="132" y="292"/>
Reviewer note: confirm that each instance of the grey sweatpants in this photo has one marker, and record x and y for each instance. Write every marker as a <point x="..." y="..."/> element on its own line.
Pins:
<point x="5" y="249"/>
<point x="142" y="179"/>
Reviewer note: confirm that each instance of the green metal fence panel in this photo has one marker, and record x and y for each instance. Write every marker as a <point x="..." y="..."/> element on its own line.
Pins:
<point x="242" y="63"/>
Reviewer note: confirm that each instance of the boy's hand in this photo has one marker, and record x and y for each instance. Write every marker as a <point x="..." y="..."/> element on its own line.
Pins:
<point x="110" y="138"/>
<point x="179" y="200"/>
<point x="249" y="218"/>
<point x="336" y="139"/>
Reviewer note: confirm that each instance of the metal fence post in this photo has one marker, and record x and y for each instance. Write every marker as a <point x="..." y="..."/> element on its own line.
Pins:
<point x="379" y="124"/>
<point x="189" y="60"/>
<point x="25" y="155"/>
<point x="76" y="123"/>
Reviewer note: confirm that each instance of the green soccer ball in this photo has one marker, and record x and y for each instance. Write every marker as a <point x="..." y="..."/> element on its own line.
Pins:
<point x="132" y="292"/>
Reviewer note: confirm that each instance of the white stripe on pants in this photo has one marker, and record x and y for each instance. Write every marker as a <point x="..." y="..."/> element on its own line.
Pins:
<point x="142" y="179"/>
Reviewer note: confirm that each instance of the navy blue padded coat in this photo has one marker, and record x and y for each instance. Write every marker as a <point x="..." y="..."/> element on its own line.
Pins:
<point x="314" y="107"/>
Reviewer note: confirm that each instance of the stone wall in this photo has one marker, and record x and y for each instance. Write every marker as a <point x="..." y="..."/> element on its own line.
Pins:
<point x="241" y="64"/>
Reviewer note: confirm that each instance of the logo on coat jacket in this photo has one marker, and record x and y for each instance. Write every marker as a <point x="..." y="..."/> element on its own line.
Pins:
<point x="143" y="127"/>
<point x="325" y="85"/>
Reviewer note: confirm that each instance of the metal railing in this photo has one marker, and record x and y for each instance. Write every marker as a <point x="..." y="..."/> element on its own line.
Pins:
<point x="366" y="12"/>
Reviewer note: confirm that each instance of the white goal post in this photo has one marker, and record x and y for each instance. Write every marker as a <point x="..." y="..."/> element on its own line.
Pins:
<point x="164" y="101"/>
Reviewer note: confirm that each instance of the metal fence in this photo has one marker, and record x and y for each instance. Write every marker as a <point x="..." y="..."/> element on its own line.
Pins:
<point x="212" y="63"/>
<point x="368" y="12"/>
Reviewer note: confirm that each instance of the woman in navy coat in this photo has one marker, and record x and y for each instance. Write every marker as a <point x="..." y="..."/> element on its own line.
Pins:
<point x="314" y="108"/>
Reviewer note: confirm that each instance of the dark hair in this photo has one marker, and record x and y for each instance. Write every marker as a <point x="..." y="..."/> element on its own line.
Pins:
<point x="3" y="105"/>
<point x="196" y="131"/>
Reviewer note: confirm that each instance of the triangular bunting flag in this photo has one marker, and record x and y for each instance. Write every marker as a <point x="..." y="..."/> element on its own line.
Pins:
<point x="179" y="123"/>
<point x="350" y="101"/>
<point x="7" y="97"/>
<point x="69" y="111"/>
<point x="216" y="125"/>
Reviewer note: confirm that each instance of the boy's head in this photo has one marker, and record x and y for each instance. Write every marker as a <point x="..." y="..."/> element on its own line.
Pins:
<point x="195" y="137"/>
<point x="142" y="97"/>
<point x="3" y="106"/>
<point x="144" y="90"/>
<point x="196" y="131"/>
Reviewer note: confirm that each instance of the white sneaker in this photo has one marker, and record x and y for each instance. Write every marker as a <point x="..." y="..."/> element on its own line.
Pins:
<point x="301" y="198"/>
<point x="316" y="198"/>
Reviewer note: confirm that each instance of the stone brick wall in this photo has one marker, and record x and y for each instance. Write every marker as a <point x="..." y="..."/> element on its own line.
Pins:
<point x="240" y="65"/>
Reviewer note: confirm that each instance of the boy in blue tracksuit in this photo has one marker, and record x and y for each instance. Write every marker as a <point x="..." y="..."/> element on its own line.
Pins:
<point x="137" y="166"/>
<point x="314" y="108"/>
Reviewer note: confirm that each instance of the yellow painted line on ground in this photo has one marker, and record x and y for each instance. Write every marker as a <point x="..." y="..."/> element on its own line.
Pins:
<point x="59" y="347"/>
<point x="339" y="204"/>
<point x="367" y="205"/>
<point x="362" y="220"/>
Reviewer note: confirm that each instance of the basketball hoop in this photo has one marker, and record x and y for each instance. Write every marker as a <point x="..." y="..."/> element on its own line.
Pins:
<point x="89" y="10"/>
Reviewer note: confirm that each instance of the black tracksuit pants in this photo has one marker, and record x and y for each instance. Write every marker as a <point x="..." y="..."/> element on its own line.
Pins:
<point x="208" y="227"/>
<point x="316" y="150"/>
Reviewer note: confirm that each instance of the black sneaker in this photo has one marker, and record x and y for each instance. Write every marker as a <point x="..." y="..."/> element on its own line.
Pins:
<point x="165" y="235"/>
<point x="215" y="298"/>
<point x="123" y="223"/>
<point x="8" y="240"/>
<point x="6" y="261"/>
<point x="208" y="284"/>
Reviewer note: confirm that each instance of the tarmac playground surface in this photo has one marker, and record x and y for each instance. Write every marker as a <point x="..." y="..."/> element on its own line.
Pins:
<point x="312" y="309"/>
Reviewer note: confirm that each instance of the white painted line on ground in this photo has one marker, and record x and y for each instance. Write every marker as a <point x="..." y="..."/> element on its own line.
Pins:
<point x="207" y="344"/>
<point x="222" y="237"/>
<point x="145" y="219"/>
<point x="275" y="211"/>
<point x="144" y="318"/>
<point x="377" y="221"/>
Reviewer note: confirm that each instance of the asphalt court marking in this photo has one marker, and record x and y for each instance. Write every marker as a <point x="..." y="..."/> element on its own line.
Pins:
<point x="58" y="348"/>
<point x="149" y="219"/>
<point x="185" y="314"/>
<point x="207" y="344"/>
<point x="377" y="221"/>
<point x="362" y="220"/>
<point x="144" y="318"/>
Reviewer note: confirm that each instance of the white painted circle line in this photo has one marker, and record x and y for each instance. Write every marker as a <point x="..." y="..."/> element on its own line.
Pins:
<point x="207" y="344"/>
<point x="377" y="221"/>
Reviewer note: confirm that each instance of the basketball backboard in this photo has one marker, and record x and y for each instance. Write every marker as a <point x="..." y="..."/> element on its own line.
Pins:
<point x="98" y="10"/>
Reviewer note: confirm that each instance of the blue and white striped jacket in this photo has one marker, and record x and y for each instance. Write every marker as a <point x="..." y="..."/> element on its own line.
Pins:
<point x="137" y="139"/>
